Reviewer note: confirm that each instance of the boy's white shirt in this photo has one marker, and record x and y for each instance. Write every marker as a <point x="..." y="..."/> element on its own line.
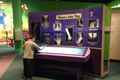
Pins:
<point x="28" y="49"/>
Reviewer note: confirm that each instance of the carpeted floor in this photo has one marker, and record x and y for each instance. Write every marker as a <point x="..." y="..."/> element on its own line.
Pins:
<point x="5" y="61"/>
<point x="15" y="72"/>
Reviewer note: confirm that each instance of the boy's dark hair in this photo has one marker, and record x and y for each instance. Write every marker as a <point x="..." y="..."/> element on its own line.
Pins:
<point x="28" y="36"/>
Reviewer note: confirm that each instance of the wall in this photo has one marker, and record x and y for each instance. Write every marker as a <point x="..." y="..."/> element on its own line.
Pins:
<point x="115" y="36"/>
<point x="58" y="5"/>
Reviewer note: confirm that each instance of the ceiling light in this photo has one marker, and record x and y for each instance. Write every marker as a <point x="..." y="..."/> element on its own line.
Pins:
<point x="24" y="7"/>
<point x="116" y="6"/>
<point x="1" y="2"/>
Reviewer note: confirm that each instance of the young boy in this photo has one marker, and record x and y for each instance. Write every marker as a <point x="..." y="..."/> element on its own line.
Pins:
<point x="28" y="57"/>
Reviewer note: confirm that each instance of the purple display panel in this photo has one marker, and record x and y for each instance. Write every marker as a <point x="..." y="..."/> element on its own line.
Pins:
<point x="80" y="38"/>
<point x="94" y="38"/>
<point x="33" y="21"/>
<point x="53" y="22"/>
<point x="94" y="25"/>
<point x="47" y="38"/>
<point x="95" y="18"/>
<point x="58" y="38"/>
<point x="46" y="22"/>
<point x="69" y="24"/>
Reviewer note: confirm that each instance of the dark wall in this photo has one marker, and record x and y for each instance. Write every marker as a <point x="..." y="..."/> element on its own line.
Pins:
<point x="56" y="5"/>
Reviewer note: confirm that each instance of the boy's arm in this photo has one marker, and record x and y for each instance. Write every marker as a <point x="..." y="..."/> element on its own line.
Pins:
<point x="36" y="46"/>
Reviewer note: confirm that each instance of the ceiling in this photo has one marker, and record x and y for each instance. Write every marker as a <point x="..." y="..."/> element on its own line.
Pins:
<point x="111" y="2"/>
<point x="95" y="1"/>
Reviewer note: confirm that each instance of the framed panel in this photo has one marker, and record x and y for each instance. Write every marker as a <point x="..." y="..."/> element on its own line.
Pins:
<point x="94" y="39"/>
<point x="80" y="38"/>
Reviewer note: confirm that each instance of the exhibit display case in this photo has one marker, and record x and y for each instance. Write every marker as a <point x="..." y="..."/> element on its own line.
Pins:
<point x="81" y="28"/>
